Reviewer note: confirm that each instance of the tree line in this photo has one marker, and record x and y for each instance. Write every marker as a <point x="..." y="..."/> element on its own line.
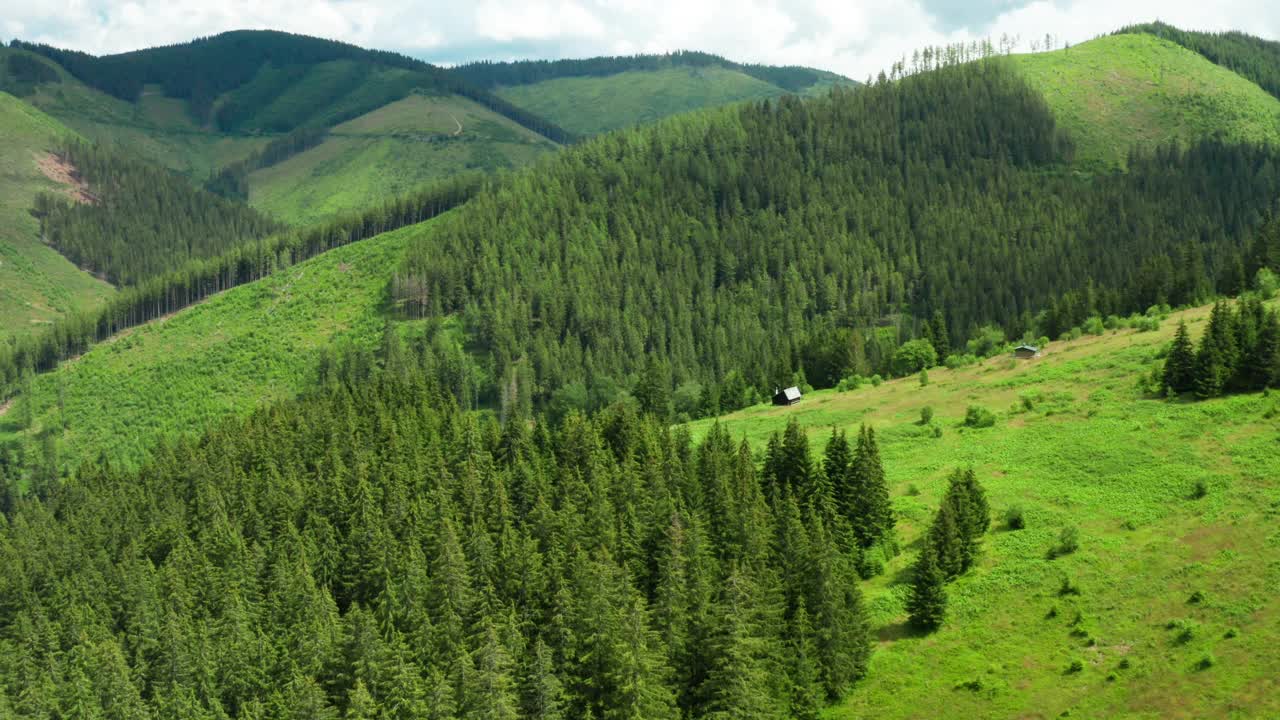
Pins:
<point x="199" y="278"/>
<point x="139" y="220"/>
<point x="371" y="551"/>
<point x="488" y="74"/>
<point x="792" y="241"/>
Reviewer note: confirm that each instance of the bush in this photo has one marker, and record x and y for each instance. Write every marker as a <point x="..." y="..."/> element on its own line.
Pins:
<point x="1206" y="661"/>
<point x="1266" y="283"/>
<point x="1014" y="519"/>
<point x="1200" y="489"/>
<point x="1230" y="634"/>
<point x="1068" y="542"/>
<point x="979" y="417"/>
<point x="876" y="380"/>
<point x="1124" y="663"/>
<point x="853" y="382"/>
<point x="989" y="341"/>
<point x="1093" y="326"/>
<point x="1145" y="324"/>
<point x="937" y="431"/>
<point x="1076" y="666"/>
<point x="1068" y="587"/>
<point x="912" y="490"/>
<point x="926" y="415"/>
<point x="959" y="361"/>
<point x="1196" y="598"/>
<point x="924" y="378"/>
<point x="914" y="356"/>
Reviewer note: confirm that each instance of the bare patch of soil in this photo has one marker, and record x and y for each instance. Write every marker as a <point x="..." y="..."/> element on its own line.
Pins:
<point x="64" y="173"/>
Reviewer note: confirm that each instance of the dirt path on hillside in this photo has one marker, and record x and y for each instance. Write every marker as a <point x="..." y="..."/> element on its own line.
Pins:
<point x="458" y="123"/>
<point x="65" y="174"/>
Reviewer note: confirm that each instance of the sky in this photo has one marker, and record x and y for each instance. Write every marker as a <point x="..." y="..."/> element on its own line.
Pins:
<point x="857" y="38"/>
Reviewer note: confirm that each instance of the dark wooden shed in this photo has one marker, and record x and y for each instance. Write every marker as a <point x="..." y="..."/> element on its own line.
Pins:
<point x="1026" y="352"/>
<point x="789" y="396"/>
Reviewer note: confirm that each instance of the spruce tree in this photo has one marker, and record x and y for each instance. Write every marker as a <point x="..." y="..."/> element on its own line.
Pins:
<point x="1180" y="365"/>
<point x="805" y="689"/>
<point x="1217" y="356"/>
<point x="941" y="337"/>
<point x="945" y="542"/>
<point x="871" y="513"/>
<point x="927" y="601"/>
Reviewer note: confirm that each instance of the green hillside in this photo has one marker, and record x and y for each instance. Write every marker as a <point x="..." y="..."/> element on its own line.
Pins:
<point x="37" y="284"/>
<point x="590" y="105"/>
<point x="389" y="151"/>
<point x="1119" y="91"/>
<point x="228" y="355"/>
<point x="1075" y="445"/>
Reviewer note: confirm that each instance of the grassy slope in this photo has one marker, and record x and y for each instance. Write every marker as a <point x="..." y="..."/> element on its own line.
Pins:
<point x="390" y="150"/>
<point x="37" y="284"/>
<point x="1121" y="90"/>
<point x="1094" y="454"/>
<point x="591" y="105"/>
<point x="240" y="349"/>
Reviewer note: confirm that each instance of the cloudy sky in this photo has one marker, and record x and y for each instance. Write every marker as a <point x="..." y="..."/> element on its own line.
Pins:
<point x="853" y="37"/>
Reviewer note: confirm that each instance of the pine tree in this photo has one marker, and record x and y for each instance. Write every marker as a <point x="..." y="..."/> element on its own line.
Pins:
<point x="941" y="337"/>
<point x="1217" y="356"/>
<point x="945" y="542"/>
<point x="1180" y="365"/>
<point x="1258" y="365"/>
<point x="806" y="694"/>
<point x="543" y="694"/>
<point x="871" y="512"/>
<point x="927" y="601"/>
<point x="968" y="502"/>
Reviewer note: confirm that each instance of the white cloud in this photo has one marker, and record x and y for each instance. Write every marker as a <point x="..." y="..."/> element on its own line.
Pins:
<point x="854" y="38"/>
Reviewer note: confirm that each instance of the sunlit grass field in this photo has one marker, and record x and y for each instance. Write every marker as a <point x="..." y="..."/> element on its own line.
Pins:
<point x="1176" y="614"/>
<point x="1119" y="91"/>
<point x="235" y="352"/>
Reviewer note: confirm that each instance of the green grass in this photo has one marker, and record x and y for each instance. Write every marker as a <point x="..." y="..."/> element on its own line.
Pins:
<point x="1091" y="453"/>
<point x="1123" y="90"/>
<point x="590" y="105"/>
<point x="234" y="352"/>
<point x="37" y="285"/>
<point x="391" y="150"/>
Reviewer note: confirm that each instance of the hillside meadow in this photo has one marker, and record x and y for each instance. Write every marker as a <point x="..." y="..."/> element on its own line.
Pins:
<point x="1075" y="445"/>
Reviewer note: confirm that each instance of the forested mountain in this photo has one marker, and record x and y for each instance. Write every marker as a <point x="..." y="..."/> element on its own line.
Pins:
<point x="37" y="285"/>
<point x="491" y="75"/>
<point x="273" y="81"/>
<point x="753" y="247"/>
<point x="1249" y="56"/>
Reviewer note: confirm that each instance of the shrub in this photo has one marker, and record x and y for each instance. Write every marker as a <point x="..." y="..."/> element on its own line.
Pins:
<point x="1053" y="613"/>
<point x="1124" y="663"/>
<point x="1196" y="598"/>
<point x="1266" y="283"/>
<point x="912" y="490"/>
<point x="1014" y="519"/>
<point x="876" y="380"/>
<point x="914" y="356"/>
<point x="1068" y="542"/>
<point x="1076" y="666"/>
<point x="937" y="431"/>
<point x="1206" y="661"/>
<point x="1093" y="326"/>
<point x="974" y="685"/>
<point x="926" y="415"/>
<point x="1200" y="489"/>
<point x="853" y="382"/>
<point x="979" y="417"/>
<point x="924" y="378"/>
<point x="959" y="361"/>
<point x="1145" y="324"/>
<point x="1068" y="587"/>
<point x="1231" y="633"/>
<point x="989" y="341"/>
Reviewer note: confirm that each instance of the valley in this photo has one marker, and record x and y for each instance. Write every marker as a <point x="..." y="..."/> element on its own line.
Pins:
<point x="338" y="384"/>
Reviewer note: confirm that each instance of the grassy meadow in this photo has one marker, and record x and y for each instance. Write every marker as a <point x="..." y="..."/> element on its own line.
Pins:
<point x="391" y="150"/>
<point x="1075" y="445"/>
<point x="226" y="356"/>
<point x="1123" y="90"/>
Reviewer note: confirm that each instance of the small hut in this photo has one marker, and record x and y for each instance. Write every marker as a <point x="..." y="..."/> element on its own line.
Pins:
<point x="1026" y="352"/>
<point x="789" y="396"/>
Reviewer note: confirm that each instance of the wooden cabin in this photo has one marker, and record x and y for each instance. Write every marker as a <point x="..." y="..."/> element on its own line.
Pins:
<point x="789" y="396"/>
<point x="1026" y="352"/>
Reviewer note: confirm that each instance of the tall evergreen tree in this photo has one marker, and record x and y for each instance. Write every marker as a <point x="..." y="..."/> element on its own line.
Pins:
<point x="1180" y="365"/>
<point x="870" y="511"/>
<point x="927" y="601"/>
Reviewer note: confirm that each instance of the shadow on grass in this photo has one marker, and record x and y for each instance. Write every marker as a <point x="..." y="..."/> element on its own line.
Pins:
<point x="899" y="631"/>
